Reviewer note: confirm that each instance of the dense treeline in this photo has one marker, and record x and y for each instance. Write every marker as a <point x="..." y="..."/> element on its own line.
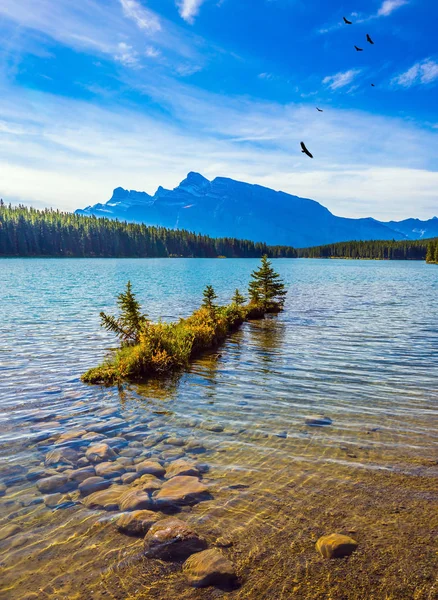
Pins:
<point x="377" y="249"/>
<point x="31" y="232"/>
<point x="432" y="252"/>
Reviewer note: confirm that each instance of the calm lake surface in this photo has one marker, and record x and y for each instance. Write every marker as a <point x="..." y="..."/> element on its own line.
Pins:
<point x="357" y="342"/>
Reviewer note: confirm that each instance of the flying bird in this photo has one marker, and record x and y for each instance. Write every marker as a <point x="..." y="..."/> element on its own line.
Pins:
<point x="304" y="149"/>
<point x="347" y="22"/>
<point x="359" y="49"/>
<point x="319" y="109"/>
<point x="373" y="85"/>
<point x="369" y="39"/>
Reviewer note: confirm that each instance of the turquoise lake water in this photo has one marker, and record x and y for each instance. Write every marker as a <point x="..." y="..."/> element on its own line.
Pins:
<point x="358" y="341"/>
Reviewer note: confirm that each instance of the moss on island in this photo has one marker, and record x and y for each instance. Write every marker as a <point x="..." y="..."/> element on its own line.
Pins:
<point x="150" y="349"/>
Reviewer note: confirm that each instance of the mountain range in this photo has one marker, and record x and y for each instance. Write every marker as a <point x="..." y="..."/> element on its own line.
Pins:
<point x="227" y="208"/>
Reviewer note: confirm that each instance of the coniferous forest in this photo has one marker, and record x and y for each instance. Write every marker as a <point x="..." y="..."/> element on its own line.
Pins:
<point x="27" y="232"/>
<point x="377" y="250"/>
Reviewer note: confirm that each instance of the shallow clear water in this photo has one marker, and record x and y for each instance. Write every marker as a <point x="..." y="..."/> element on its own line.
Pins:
<point x="358" y="342"/>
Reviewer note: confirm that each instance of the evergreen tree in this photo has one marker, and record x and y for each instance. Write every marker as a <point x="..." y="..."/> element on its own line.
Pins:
<point x="209" y="297"/>
<point x="430" y="256"/>
<point x="266" y="288"/>
<point x="127" y="326"/>
<point x="238" y="299"/>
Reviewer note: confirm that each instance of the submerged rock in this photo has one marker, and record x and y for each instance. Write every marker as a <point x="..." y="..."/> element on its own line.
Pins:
<point x="131" y="452"/>
<point x="109" y="469"/>
<point x="181" y="467"/>
<point x="128" y="478"/>
<point x="55" y="500"/>
<point x="336" y="545"/>
<point x="105" y="500"/>
<point x="149" y="467"/>
<point x="214" y="427"/>
<point x="98" y="453"/>
<point x="80" y="475"/>
<point x="181" y="490"/>
<point x="318" y="421"/>
<point x="93" y="484"/>
<point x="56" y="483"/>
<point x="71" y="435"/>
<point x="137" y="522"/>
<point x="172" y="539"/>
<point x="209" y="567"/>
<point x="135" y="500"/>
<point x="61" y="456"/>
<point x="148" y="483"/>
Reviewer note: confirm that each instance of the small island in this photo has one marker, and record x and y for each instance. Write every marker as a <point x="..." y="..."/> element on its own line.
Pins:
<point x="150" y="349"/>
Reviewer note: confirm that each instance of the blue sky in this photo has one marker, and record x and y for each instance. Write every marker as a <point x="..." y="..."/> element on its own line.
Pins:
<point x="96" y="94"/>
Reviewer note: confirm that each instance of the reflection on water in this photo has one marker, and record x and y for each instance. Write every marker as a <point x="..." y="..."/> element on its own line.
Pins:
<point x="354" y="344"/>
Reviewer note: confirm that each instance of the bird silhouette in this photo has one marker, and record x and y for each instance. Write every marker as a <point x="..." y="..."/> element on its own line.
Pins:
<point x="373" y="85"/>
<point x="347" y="22"/>
<point x="319" y="109"/>
<point x="359" y="49"/>
<point x="369" y="39"/>
<point x="304" y="149"/>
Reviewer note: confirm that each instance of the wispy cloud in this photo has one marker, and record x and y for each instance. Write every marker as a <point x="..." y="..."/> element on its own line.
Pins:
<point x="126" y="55"/>
<point x="99" y="28"/>
<point x="152" y="52"/>
<point x="144" y="18"/>
<point x="340" y="80"/>
<point x="266" y="76"/>
<point x="421" y="73"/>
<point x="389" y="6"/>
<point x="189" y="9"/>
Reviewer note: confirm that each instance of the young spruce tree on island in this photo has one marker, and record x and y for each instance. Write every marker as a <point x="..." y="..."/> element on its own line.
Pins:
<point x="127" y="326"/>
<point x="266" y="289"/>
<point x="209" y="296"/>
<point x="238" y="299"/>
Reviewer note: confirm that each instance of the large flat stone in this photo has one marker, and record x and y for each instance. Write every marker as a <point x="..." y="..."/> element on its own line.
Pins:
<point x="109" y="469"/>
<point x="135" y="500"/>
<point x="93" y="484"/>
<point x="150" y="467"/>
<point x="137" y="522"/>
<point x="172" y="539"/>
<point x="336" y="545"/>
<point x="98" y="453"/>
<point x="209" y="567"/>
<point x="181" y="467"/>
<point x="181" y="490"/>
<point x="56" y="483"/>
<point x="105" y="500"/>
<point x="61" y="456"/>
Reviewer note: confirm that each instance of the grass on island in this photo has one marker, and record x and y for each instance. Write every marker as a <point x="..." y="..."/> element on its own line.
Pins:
<point x="150" y="349"/>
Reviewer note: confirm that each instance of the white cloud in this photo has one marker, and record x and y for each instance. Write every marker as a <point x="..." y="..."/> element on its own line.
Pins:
<point x="152" y="52"/>
<point x="389" y="6"/>
<point x="340" y="80"/>
<point x="429" y="71"/>
<point x="126" y="55"/>
<point x="98" y="27"/>
<point x="145" y="19"/>
<point x="266" y="76"/>
<point x="423" y="72"/>
<point x="189" y="9"/>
